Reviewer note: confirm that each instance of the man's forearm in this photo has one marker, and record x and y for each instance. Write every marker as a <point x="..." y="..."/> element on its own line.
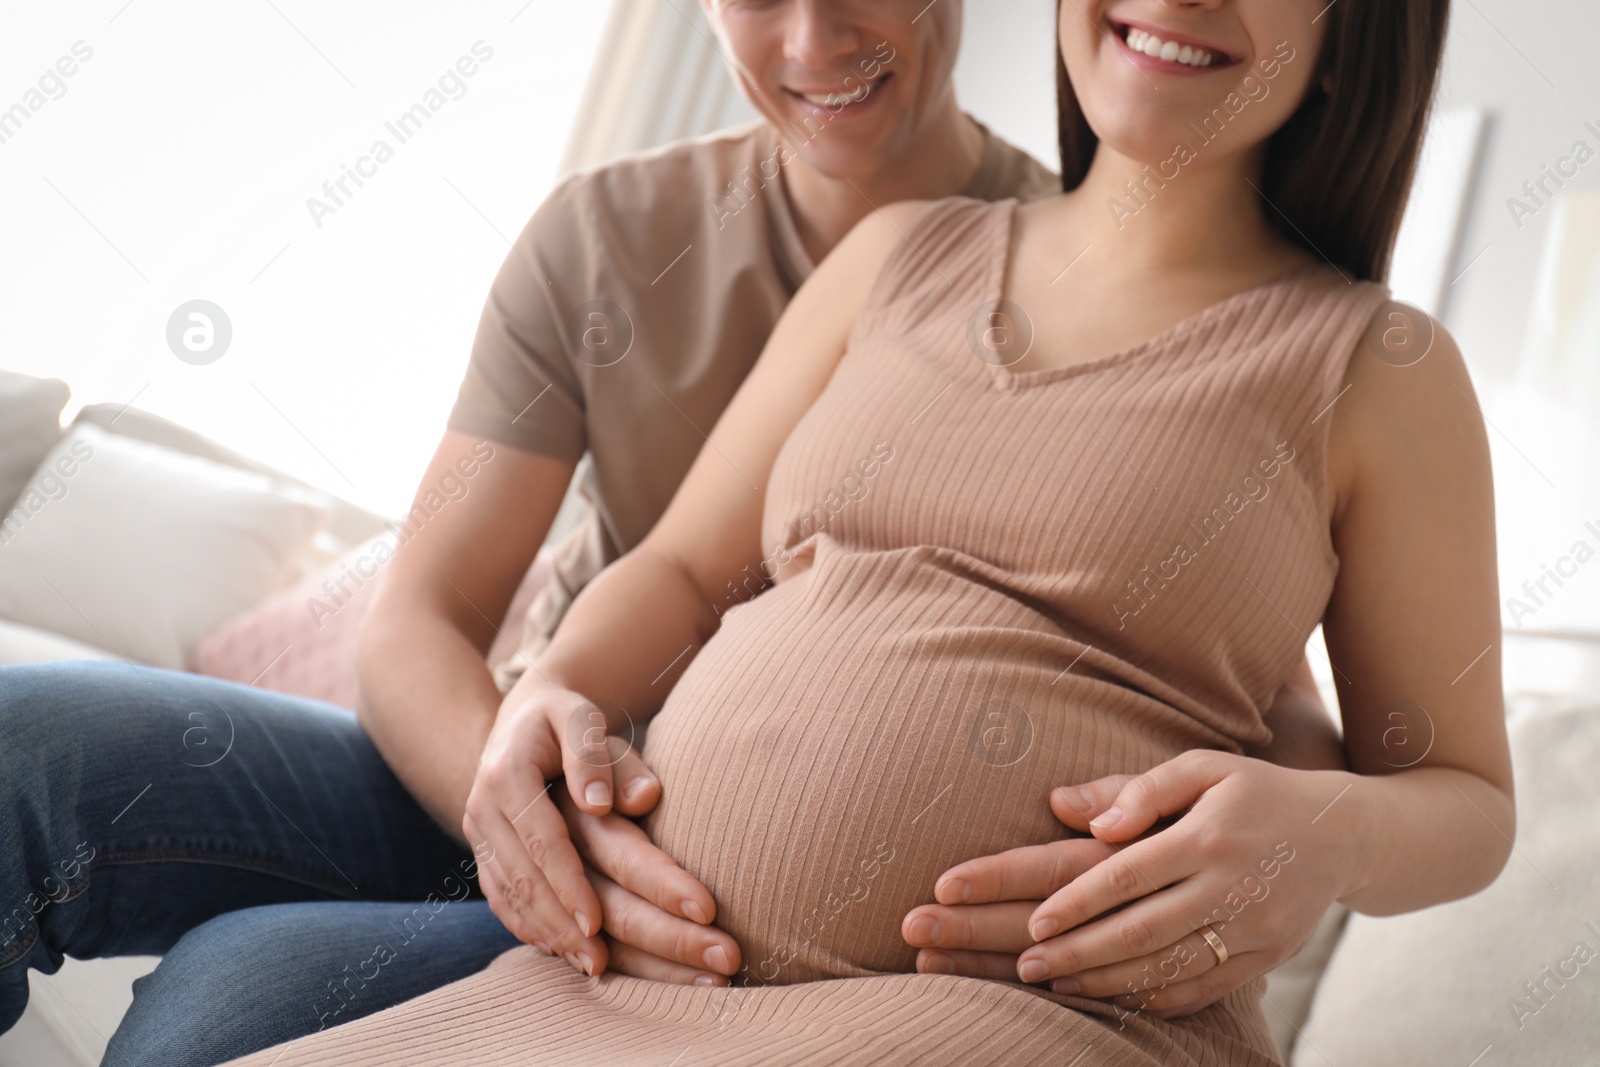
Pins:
<point x="428" y="702"/>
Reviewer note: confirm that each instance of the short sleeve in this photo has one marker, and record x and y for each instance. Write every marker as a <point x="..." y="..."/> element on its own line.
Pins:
<point x="520" y="388"/>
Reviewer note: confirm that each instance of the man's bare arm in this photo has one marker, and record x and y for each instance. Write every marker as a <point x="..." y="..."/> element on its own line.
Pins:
<point x="427" y="697"/>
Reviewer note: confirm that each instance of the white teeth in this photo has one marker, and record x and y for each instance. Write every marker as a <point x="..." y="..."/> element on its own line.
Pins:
<point x="1171" y="51"/>
<point x="837" y="100"/>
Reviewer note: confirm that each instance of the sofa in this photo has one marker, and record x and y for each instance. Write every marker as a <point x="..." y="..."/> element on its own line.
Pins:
<point x="125" y="536"/>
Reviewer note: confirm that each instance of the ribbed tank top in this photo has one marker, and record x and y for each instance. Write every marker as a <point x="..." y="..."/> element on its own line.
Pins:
<point x="989" y="583"/>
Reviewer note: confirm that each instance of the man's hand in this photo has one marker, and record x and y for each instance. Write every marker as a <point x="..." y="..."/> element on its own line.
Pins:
<point x="535" y="881"/>
<point x="657" y="917"/>
<point x="534" y="876"/>
<point x="980" y="925"/>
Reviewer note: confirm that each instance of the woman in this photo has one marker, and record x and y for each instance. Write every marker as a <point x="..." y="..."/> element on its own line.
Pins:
<point x="1077" y="526"/>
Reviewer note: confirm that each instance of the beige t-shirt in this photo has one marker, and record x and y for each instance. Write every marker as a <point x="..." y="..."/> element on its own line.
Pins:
<point x="628" y="312"/>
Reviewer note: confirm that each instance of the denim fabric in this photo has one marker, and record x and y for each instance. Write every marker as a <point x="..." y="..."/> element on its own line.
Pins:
<point x="137" y="806"/>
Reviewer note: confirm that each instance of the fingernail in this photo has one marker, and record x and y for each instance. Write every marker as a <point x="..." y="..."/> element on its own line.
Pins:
<point x="597" y="793"/>
<point x="694" y="911"/>
<point x="963" y="888"/>
<point x="1034" y="970"/>
<point x="572" y="958"/>
<point x="937" y="963"/>
<point x="542" y="947"/>
<point x="1110" y="817"/>
<point x="717" y="958"/>
<point x="588" y="964"/>
<point x="636" y="790"/>
<point x="1078" y="798"/>
<point x="924" y="930"/>
<point x="1069" y="986"/>
<point x="1044" y="928"/>
<point x="583" y="923"/>
<point x="704" y="979"/>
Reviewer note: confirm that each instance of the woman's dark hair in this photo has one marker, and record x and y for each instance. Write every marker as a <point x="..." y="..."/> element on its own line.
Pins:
<point x="1338" y="173"/>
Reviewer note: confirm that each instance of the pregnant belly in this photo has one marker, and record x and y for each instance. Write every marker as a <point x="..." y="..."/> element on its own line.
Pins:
<point x="850" y="735"/>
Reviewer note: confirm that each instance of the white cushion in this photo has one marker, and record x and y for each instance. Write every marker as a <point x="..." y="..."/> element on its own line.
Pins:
<point x="141" y="550"/>
<point x="30" y="425"/>
<point x="25" y="644"/>
<point x="1512" y="974"/>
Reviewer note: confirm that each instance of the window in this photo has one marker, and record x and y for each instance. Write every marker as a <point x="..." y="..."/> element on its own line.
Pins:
<point x="342" y="181"/>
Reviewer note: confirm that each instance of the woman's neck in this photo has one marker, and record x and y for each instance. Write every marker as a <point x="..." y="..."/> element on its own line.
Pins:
<point x="1206" y="215"/>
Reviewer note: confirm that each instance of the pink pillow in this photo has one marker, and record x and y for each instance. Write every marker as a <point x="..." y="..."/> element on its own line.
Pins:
<point x="302" y="641"/>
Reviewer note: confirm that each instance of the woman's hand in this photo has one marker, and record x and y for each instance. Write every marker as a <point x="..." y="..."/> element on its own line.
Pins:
<point x="1259" y="855"/>
<point x="657" y="917"/>
<point x="980" y="924"/>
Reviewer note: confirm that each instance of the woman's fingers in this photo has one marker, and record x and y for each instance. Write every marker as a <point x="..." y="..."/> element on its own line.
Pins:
<point x="631" y="920"/>
<point x="625" y="959"/>
<point x="1075" y="805"/>
<point x="1151" y="926"/>
<point x="1032" y="872"/>
<point x="1190" y="995"/>
<point x="1178" y="963"/>
<point x="1136" y="871"/>
<point x="618" y="848"/>
<point x="1166" y="789"/>
<point x="1001" y="927"/>
<point x="998" y="966"/>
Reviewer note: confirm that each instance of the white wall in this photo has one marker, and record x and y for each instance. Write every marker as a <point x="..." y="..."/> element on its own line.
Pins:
<point x="1006" y="73"/>
<point x="177" y="164"/>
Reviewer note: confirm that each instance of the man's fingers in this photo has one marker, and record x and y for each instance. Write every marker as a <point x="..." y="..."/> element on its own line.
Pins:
<point x="999" y="927"/>
<point x="999" y="966"/>
<point x="587" y="756"/>
<point x="1032" y="872"/>
<point x="638" y="788"/>
<point x="620" y="849"/>
<point x="634" y="921"/>
<point x="524" y="902"/>
<point x="1075" y="805"/>
<point x="547" y="847"/>
<point x="625" y="959"/>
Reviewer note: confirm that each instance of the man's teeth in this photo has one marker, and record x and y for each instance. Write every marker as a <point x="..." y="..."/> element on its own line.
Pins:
<point x="837" y="100"/>
<point x="1172" y="51"/>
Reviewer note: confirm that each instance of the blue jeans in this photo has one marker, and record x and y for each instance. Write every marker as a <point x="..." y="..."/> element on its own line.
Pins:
<point x="250" y="837"/>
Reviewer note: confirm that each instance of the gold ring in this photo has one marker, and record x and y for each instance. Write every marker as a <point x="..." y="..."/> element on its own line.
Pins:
<point x="1215" y="942"/>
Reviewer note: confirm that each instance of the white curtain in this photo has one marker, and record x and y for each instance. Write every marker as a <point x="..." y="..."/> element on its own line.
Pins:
<point x="659" y="75"/>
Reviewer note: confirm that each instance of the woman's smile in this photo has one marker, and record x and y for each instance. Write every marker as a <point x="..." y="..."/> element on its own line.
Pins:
<point x="1155" y="48"/>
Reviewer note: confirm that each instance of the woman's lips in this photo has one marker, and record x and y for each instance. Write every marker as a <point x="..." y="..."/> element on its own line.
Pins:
<point x="1153" y="49"/>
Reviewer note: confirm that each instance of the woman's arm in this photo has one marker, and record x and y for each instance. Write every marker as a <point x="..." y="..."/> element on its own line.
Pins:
<point x="1261" y="851"/>
<point x="1303" y="733"/>
<point x="635" y="627"/>
<point x="1414" y="626"/>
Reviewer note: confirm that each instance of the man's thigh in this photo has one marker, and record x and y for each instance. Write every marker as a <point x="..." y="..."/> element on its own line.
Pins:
<point x="136" y="804"/>
<point x="251" y="979"/>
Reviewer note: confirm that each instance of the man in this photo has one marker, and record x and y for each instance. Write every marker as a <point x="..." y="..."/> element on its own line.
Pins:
<point x="620" y="325"/>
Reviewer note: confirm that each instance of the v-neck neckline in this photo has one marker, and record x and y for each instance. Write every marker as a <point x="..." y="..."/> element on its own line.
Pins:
<point x="1005" y="379"/>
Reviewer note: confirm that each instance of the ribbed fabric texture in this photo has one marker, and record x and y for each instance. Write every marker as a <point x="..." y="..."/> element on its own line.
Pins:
<point x="989" y="584"/>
